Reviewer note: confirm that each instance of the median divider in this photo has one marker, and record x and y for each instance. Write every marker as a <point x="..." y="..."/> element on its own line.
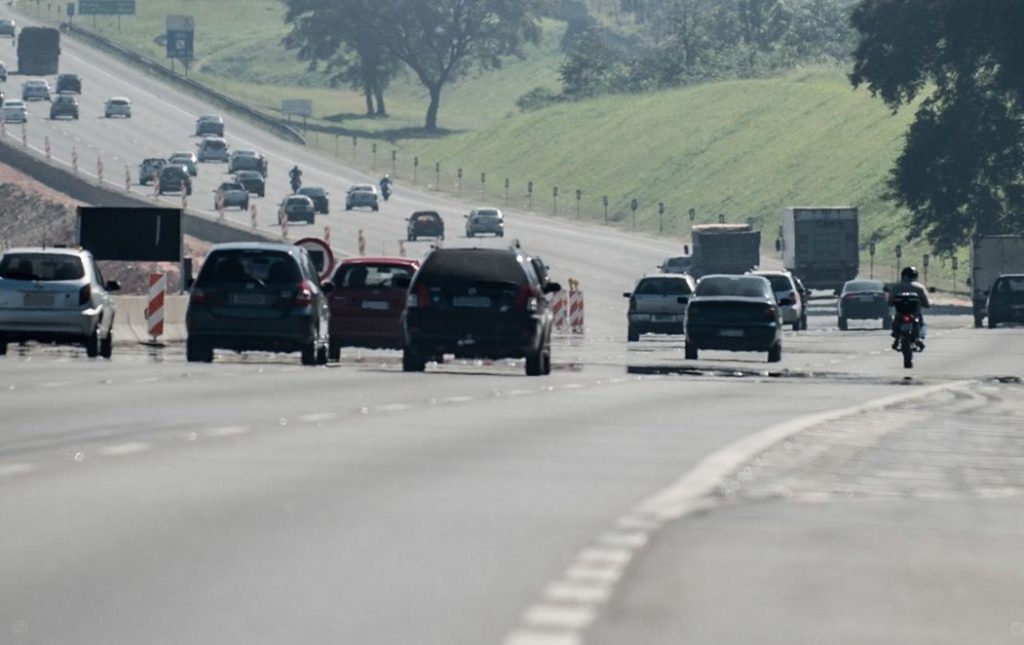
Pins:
<point x="131" y="324"/>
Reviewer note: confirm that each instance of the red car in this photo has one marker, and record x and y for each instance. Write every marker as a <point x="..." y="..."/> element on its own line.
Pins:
<point x="366" y="304"/>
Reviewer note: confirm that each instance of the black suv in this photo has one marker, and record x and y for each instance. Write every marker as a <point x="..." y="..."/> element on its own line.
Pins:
<point x="425" y="224"/>
<point x="258" y="296"/>
<point x="174" y="179"/>
<point x="477" y="303"/>
<point x="64" y="105"/>
<point x="69" y="83"/>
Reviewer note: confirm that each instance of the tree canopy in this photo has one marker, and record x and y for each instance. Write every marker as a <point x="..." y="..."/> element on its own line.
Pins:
<point x="962" y="166"/>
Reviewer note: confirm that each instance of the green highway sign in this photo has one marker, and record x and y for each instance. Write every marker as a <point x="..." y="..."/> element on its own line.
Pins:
<point x="106" y="7"/>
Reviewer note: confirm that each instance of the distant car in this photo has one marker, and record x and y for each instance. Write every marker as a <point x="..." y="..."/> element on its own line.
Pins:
<point x="657" y="305"/>
<point x="231" y="193"/>
<point x="14" y="111"/>
<point x="787" y="293"/>
<point x="212" y="149"/>
<point x="485" y="221"/>
<point x="55" y="295"/>
<point x="150" y="168"/>
<point x="210" y="124"/>
<point x="174" y="179"/>
<point x="362" y="195"/>
<point x="187" y="159"/>
<point x="35" y="90"/>
<point x="1006" y="300"/>
<point x="319" y="197"/>
<point x="676" y="264"/>
<point x="736" y="313"/>
<point x="3" y="71"/>
<point x="425" y="224"/>
<point x="257" y="296"/>
<point x="64" y="105"/>
<point x="477" y="303"/>
<point x="7" y="27"/>
<point x="247" y="160"/>
<point x="298" y="208"/>
<point x="69" y="84"/>
<point x="253" y="181"/>
<point x="117" y="106"/>
<point x="863" y="300"/>
<point x="367" y="300"/>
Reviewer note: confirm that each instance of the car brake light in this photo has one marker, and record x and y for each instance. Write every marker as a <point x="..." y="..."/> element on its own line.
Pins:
<point x="85" y="295"/>
<point x="526" y="298"/>
<point x="908" y="318"/>
<point x="197" y="297"/>
<point x="418" y="298"/>
<point x="632" y="304"/>
<point x="772" y="313"/>
<point x="304" y="296"/>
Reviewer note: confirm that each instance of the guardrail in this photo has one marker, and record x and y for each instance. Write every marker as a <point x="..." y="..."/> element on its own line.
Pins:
<point x="165" y="74"/>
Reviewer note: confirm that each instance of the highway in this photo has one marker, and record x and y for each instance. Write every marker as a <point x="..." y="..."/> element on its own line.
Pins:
<point x="630" y="497"/>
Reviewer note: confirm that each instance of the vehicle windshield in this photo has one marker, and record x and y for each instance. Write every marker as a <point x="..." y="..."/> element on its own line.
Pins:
<point x="231" y="186"/>
<point x="488" y="214"/>
<point x="43" y="267"/>
<point x="371" y="276"/>
<point x="779" y="282"/>
<point x="243" y="266"/>
<point x="863" y="285"/>
<point x="662" y="287"/>
<point x="216" y="144"/>
<point x="735" y="286"/>
<point x="1010" y="285"/>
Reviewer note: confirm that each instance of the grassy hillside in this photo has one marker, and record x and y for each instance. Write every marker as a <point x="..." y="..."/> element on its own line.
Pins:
<point x="745" y="149"/>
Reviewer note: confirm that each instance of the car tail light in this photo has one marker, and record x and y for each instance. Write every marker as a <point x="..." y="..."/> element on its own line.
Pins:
<point x="771" y="313"/>
<point x="632" y="304"/>
<point x="526" y="298"/>
<point x="304" y="296"/>
<point x="197" y="297"/>
<point x="420" y="297"/>
<point x="907" y="318"/>
<point x="85" y="295"/>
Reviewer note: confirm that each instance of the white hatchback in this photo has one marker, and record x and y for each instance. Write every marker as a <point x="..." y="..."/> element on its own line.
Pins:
<point x="117" y="106"/>
<point x="787" y="294"/>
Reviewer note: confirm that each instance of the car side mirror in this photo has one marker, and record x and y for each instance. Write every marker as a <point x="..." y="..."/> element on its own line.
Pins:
<point x="627" y="294"/>
<point x="402" y="282"/>
<point x="112" y="285"/>
<point x="552" y="287"/>
<point x="327" y="286"/>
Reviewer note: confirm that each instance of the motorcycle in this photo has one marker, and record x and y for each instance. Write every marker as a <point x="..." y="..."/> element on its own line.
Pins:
<point x="296" y="183"/>
<point x="907" y="326"/>
<point x="385" y="190"/>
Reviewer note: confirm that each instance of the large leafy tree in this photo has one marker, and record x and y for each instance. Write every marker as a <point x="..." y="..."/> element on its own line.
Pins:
<point x="441" y="40"/>
<point x="962" y="167"/>
<point x="334" y="33"/>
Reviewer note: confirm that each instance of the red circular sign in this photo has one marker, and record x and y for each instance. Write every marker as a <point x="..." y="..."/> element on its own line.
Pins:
<point x="320" y="253"/>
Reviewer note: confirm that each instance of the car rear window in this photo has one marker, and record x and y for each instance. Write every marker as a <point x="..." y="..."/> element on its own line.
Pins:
<point x="1010" y="285"/>
<point x="298" y="201"/>
<point x="44" y="267"/>
<point x="488" y="214"/>
<point x="212" y="143"/>
<point x="231" y="187"/>
<point x="863" y="285"/>
<point x="371" y="276"/>
<point x="662" y="287"/>
<point x="243" y="266"/>
<point x="449" y="266"/>
<point x="743" y="287"/>
<point x="779" y="282"/>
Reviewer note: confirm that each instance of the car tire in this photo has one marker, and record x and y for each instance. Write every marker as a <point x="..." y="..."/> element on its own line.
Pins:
<point x="334" y="352"/>
<point x="978" y="321"/>
<point x="842" y="324"/>
<point x="632" y="335"/>
<point x="992" y="322"/>
<point x="107" y="344"/>
<point x="412" y="360"/>
<point x="796" y="325"/>
<point x="535" y="363"/>
<point x="887" y="323"/>
<point x="92" y="344"/>
<point x="262" y="193"/>
<point x="321" y="355"/>
<point x="347" y="207"/>
<point x="376" y="208"/>
<point x="775" y="353"/>
<point x="441" y="237"/>
<point x="198" y="351"/>
<point x="309" y="354"/>
<point x="3" y="346"/>
<point x="412" y="238"/>
<point x="690" y="353"/>
<point x="469" y="234"/>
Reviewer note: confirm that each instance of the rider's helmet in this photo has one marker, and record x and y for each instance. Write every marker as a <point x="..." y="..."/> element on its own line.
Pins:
<point x="908" y="274"/>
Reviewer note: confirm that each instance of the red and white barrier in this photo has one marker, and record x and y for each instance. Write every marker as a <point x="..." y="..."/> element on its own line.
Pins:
<point x="155" y="308"/>
<point x="46" y="147"/>
<point x="24" y="134"/>
<point x="560" y="309"/>
<point x="327" y="235"/>
<point x="576" y="325"/>
<point x="253" y="211"/>
<point x="282" y="219"/>
<point x="362" y="243"/>
<point x="74" y="159"/>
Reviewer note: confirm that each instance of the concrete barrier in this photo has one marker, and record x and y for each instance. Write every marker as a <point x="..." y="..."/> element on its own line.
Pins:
<point x="130" y="320"/>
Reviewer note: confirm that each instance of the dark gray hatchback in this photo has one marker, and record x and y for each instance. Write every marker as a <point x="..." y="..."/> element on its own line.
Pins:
<point x="736" y="313"/>
<point x="253" y="296"/>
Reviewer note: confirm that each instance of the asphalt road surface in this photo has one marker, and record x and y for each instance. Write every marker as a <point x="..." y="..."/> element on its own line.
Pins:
<point x="630" y="497"/>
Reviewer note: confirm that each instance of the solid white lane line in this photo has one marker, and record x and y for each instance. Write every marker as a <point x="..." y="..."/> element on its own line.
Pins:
<point x="534" y="637"/>
<point x="317" y="417"/>
<point x="10" y="470"/>
<point x="559" y="616"/>
<point x="147" y="379"/>
<point x="122" y="449"/>
<point x="584" y="573"/>
<point x="226" y="431"/>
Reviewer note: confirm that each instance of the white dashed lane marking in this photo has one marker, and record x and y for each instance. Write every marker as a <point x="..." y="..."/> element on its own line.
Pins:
<point x="559" y="616"/>
<point x="318" y="417"/>
<point x="123" y="449"/>
<point x="10" y="470"/>
<point x="226" y="431"/>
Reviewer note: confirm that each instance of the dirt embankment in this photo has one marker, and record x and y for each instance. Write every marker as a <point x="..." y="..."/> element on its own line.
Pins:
<point x="32" y="214"/>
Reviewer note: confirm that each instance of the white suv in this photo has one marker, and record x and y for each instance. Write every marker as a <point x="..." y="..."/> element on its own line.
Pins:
<point x="787" y="294"/>
<point x="657" y="304"/>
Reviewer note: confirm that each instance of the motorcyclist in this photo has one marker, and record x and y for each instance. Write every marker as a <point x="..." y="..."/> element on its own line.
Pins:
<point x="296" y="176"/>
<point x="385" y="186"/>
<point x="908" y="284"/>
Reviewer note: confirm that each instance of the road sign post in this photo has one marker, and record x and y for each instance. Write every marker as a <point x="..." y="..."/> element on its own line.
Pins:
<point x="180" y="38"/>
<point x="871" y="253"/>
<point x="633" y="205"/>
<point x="604" y="200"/>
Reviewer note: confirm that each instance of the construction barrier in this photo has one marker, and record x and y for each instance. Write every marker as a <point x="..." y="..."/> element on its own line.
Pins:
<point x="127" y="177"/>
<point x="24" y="134"/>
<point x="46" y="147"/>
<point x="560" y="310"/>
<point x="219" y="199"/>
<point x="327" y="235"/>
<point x="401" y="248"/>
<point x="74" y="159"/>
<point x="184" y="198"/>
<point x="362" y="243"/>
<point x="282" y="219"/>
<point x="156" y="185"/>
<point x="575" y="307"/>
<point x="99" y="169"/>
<point x="155" y="307"/>
<point x="252" y="211"/>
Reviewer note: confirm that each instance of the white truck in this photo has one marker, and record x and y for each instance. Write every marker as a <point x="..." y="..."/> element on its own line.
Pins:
<point x="821" y="245"/>
<point x="724" y="248"/>
<point x="992" y="256"/>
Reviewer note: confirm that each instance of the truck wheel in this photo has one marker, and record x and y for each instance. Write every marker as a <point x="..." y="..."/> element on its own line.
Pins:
<point x="412" y="360"/>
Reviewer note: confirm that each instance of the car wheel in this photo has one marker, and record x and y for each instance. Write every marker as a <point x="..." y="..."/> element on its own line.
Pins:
<point x="535" y="363"/>
<point x="412" y="238"/>
<point x="3" y="346"/>
<point x="441" y="236"/>
<point x="245" y="205"/>
<point x="412" y="360"/>
<point x="992" y="322"/>
<point x="796" y="325"/>
<point x="321" y="355"/>
<point x="347" y="207"/>
<point x="198" y="351"/>
<point x="376" y="208"/>
<point x="690" y="352"/>
<point x="92" y="345"/>
<point x="842" y="324"/>
<point x="107" y="345"/>
<point x="977" y="321"/>
<point x="632" y="335"/>
<point x="775" y="353"/>
<point x="887" y="323"/>
<point x="334" y="352"/>
<point x="309" y="354"/>
<point x="545" y="368"/>
<point x="262" y="193"/>
<point x="803" y="322"/>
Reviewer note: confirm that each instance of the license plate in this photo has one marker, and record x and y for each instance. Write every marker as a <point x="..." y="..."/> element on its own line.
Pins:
<point x="248" y="299"/>
<point x="731" y="333"/>
<point x="664" y="317"/>
<point x="865" y="298"/>
<point x="471" y="301"/>
<point x="378" y="305"/>
<point x="38" y="299"/>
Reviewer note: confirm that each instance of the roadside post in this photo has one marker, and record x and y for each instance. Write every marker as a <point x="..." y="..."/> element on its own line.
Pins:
<point x="579" y="196"/>
<point x="127" y="178"/>
<point x="693" y="214"/>
<point x="46" y="147"/>
<point x="355" y="142"/>
<point x="373" y="162"/>
<point x="529" y="194"/>
<point x="327" y="235"/>
<point x="252" y="214"/>
<point x="604" y="200"/>
<point x="633" y="205"/>
<point x="362" y="243"/>
<point x="24" y="135"/>
<point x="956" y="265"/>
<point x="554" y="198"/>
<point x="437" y="176"/>
<point x="871" y="253"/>
<point x="99" y="169"/>
<point x="74" y="159"/>
<point x="155" y="306"/>
<point x="394" y="164"/>
<point x="661" y="217"/>
<point x="899" y="255"/>
<point x="925" y="263"/>
<point x="506" y="191"/>
<point x="483" y="185"/>
<point x="458" y="187"/>
<point x="415" y="169"/>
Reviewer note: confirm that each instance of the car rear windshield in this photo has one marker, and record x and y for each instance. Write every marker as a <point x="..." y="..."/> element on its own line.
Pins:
<point x="1010" y="285"/>
<point x="231" y="187"/>
<point x="44" y="267"/>
<point x="371" y="276"/>
<point x="863" y="285"/>
<point x="452" y="266"/>
<point x="488" y="214"/>
<point x="662" y="287"/>
<point x="779" y="282"/>
<point x="298" y="201"/>
<point x="215" y="144"/>
<point x="119" y="101"/>
<point x="744" y="287"/>
<point x="318" y="192"/>
<point x="244" y="266"/>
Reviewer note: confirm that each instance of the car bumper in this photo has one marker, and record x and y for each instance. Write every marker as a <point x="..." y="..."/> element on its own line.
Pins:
<point x="510" y="339"/>
<point x="735" y="337"/>
<point x="1007" y="314"/>
<point x="110" y="113"/>
<point x="288" y="334"/>
<point x="43" y="324"/>
<point x="864" y="311"/>
<point x="657" y="323"/>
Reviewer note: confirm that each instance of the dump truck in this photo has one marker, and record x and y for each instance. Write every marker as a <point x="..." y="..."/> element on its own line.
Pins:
<point x="992" y="256"/>
<point x="38" y="51"/>
<point x="821" y="245"/>
<point x="724" y="248"/>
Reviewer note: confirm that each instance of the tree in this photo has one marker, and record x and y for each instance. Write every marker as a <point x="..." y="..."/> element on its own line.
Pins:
<point x="332" y="32"/>
<point x="440" y="40"/>
<point x="960" y="169"/>
<point x="763" y="24"/>
<point x="591" y="65"/>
